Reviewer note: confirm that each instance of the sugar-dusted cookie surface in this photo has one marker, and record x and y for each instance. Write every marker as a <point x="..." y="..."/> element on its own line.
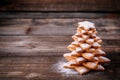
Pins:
<point x="86" y="50"/>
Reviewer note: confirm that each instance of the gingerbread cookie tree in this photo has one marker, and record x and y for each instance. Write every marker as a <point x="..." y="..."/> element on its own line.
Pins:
<point x="86" y="52"/>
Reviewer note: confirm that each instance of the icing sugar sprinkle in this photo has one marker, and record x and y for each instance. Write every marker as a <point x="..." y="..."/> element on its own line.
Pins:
<point x="90" y="40"/>
<point x="96" y="44"/>
<point x="64" y="71"/>
<point x="83" y="69"/>
<point x="89" y="54"/>
<point x="84" y="46"/>
<point x="80" y="59"/>
<point x="66" y="54"/>
<point x="80" y="39"/>
<point x="75" y="42"/>
<point x="86" y="24"/>
<point x="78" y="49"/>
<point x="73" y="53"/>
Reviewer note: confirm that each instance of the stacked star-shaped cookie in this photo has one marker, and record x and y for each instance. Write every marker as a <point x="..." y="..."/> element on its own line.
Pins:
<point x="86" y="52"/>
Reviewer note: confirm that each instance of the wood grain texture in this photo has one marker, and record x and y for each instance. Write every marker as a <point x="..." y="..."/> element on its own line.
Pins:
<point x="50" y="67"/>
<point x="36" y="37"/>
<point x="59" y="5"/>
<point x="59" y="27"/>
<point x="68" y="26"/>
<point x="31" y="48"/>
<point x="45" y="45"/>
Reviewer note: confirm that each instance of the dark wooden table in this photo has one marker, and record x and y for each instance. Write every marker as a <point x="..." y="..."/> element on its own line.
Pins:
<point x="34" y="35"/>
<point x="32" y="45"/>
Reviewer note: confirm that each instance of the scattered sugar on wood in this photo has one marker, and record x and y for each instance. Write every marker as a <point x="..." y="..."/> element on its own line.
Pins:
<point x="65" y="71"/>
<point x="32" y="75"/>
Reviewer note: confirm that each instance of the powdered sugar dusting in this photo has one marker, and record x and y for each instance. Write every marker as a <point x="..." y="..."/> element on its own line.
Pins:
<point x="95" y="58"/>
<point x="80" y="59"/>
<point x="100" y="67"/>
<point x="96" y="44"/>
<point x="84" y="46"/>
<point x="104" y="58"/>
<point x="92" y="49"/>
<point x="89" y="54"/>
<point x="75" y="43"/>
<point x="82" y="70"/>
<point x="66" y="54"/>
<point x="93" y="64"/>
<point x="72" y="62"/>
<point x="83" y="31"/>
<point x="78" y="49"/>
<point x="85" y="36"/>
<point x="80" y="39"/>
<point x="59" y="66"/>
<point x="70" y="46"/>
<point x="90" y="40"/>
<point x="86" y="24"/>
<point x="100" y="51"/>
<point x="73" y="53"/>
<point x="66" y="64"/>
<point x="78" y="34"/>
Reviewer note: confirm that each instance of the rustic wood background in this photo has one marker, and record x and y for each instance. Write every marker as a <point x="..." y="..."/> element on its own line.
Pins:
<point x="34" y="35"/>
<point x="60" y="5"/>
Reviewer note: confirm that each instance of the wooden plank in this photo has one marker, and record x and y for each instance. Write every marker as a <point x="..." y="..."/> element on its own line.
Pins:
<point x="14" y="26"/>
<point x="22" y="40"/>
<point x="15" y="30"/>
<point x="6" y="22"/>
<point x="60" y="26"/>
<point x="46" y="51"/>
<point x="44" y="45"/>
<point x="59" y="5"/>
<point x="110" y="27"/>
<point x="29" y="60"/>
<point x="39" y="15"/>
<point x="45" y="67"/>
